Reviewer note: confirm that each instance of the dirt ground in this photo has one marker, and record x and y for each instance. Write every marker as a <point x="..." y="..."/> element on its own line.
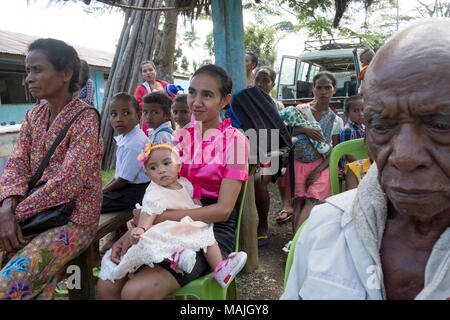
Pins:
<point x="266" y="282"/>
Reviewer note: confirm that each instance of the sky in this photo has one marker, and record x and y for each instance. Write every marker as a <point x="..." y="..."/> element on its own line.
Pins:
<point x="70" y="22"/>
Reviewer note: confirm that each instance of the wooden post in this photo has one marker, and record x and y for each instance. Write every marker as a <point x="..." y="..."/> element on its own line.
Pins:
<point x="230" y="54"/>
<point x="249" y="224"/>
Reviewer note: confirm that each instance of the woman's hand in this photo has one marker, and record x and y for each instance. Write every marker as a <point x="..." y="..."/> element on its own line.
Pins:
<point x="11" y="237"/>
<point x="120" y="247"/>
<point x="311" y="132"/>
<point x="198" y="202"/>
<point x="314" y="133"/>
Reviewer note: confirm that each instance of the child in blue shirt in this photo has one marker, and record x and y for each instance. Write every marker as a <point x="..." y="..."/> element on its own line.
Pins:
<point x="156" y="110"/>
<point x="130" y="181"/>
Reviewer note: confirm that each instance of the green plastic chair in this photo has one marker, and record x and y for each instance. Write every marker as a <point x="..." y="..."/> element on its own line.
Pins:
<point x="290" y="256"/>
<point x="355" y="148"/>
<point x="205" y="288"/>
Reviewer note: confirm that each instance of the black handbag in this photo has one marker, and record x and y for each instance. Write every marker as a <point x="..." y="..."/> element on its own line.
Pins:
<point x="56" y="216"/>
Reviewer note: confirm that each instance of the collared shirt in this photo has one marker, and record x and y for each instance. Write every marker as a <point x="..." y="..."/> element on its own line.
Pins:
<point x="352" y="131"/>
<point x="158" y="135"/>
<point x="129" y="146"/>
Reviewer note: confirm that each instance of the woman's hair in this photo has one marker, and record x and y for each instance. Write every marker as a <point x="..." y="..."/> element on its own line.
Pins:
<point x="129" y="98"/>
<point x="327" y="74"/>
<point x="160" y="98"/>
<point x="147" y="62"/>
<point x="61" y="56"/>
<point x="253" y="57"/>
<point x="225" y="82"/>
<point x="350" y="100"/>
<point x="84" y="74"/>
<point x="181" y="98"/>
<point x="269" y="70"/>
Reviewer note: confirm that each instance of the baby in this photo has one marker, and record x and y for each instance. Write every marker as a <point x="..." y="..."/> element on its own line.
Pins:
<point x="176" y="241"/>
<point x="294" y="118"/>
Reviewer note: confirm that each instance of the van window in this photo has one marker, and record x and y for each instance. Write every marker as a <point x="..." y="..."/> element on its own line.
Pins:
<point x="287" y="73"/>
<point x="303" y="72"/>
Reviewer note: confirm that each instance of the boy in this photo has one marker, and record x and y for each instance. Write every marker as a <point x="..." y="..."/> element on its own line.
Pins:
<point x="180" y="111"/>
<point x="157" y="116"/>
<point x="129" y="183"/>
<point x="353" y="111"/>
<point x="354" y="129"/>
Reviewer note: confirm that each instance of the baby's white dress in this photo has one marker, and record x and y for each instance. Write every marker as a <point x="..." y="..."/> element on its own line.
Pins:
<point x="162" y="239"/>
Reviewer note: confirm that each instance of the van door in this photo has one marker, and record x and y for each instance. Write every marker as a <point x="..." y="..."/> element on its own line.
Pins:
<point x="357" y="67"/>
<point x="286" y="88"/>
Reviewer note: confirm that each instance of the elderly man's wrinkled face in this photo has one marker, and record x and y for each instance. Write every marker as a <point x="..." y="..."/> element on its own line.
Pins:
<point x="407" y="112"/>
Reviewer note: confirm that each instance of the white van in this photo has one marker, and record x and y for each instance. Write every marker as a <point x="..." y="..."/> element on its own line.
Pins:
<point x="296" y="73"/>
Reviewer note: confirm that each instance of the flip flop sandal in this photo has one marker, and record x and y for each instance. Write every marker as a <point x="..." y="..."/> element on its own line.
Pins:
<point x="287" y="218"/>
<point x="59" y="292"/>
<point x="263" y="240"/>
<point x="96" y="271"/>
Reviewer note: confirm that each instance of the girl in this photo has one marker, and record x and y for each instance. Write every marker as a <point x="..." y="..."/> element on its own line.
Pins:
<point x="150" y="84"/>
<point x="156" y="111"/>
<point x="312" y="182"/>
<point x="173" y="240"/>
<point x="217" y="183"/>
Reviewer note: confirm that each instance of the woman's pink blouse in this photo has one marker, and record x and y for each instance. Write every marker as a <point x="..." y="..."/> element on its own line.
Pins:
<point x="207" y="162"/>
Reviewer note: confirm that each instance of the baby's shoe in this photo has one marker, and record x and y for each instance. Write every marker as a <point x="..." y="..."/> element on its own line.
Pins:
<point x="227" y="269"/>
<point x="324" y="148"/>
<point x="183" y="260"/>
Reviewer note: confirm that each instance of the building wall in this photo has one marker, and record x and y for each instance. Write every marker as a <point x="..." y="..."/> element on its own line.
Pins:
<point x="16" y="112"/>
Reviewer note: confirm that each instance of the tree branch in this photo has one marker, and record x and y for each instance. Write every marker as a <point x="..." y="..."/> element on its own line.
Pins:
<point x="152" y="9"/>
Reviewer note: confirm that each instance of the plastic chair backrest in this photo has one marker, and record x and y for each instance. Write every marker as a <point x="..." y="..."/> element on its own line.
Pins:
<point x="355" y="148"/>
<point x="290" y="256"/>
<point x="205" y="288"/>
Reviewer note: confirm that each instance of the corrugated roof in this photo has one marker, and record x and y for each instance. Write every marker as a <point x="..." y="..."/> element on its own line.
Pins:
<point x="17" y="43"/>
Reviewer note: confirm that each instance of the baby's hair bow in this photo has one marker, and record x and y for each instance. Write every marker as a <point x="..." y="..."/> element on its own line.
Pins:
<point x="149" y="147"/>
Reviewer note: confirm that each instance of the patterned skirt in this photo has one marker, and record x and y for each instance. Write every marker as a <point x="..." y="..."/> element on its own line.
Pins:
<point x="33" y="271"/>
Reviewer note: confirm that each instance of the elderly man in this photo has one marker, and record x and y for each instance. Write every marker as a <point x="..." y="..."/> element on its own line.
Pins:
<point x="390" y="238"/>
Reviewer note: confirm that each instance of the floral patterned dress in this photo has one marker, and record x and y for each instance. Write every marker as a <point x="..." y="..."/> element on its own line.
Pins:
<point x="72" y="173"/>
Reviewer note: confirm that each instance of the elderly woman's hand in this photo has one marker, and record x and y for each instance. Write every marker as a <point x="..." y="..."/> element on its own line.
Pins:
<point x="11" y="237"/>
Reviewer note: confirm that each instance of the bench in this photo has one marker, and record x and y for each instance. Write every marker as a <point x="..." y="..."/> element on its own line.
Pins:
<point x="108" y="223"/>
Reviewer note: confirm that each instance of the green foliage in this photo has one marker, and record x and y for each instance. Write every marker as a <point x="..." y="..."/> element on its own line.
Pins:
<point x="184" y="64"/>
<point x="260" y="40"/>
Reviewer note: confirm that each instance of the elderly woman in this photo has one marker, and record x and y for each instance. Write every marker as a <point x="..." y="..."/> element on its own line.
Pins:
<point x="72" y="174"/>
<point x="390" y="238"/>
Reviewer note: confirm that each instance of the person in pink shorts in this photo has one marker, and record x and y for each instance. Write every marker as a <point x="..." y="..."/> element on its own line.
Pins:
<point x="312" y="181"/>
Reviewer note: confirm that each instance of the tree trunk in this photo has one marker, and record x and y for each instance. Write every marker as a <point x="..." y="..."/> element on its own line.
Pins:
<point x="166" y="53"/>
<point x="134" y="46"/>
